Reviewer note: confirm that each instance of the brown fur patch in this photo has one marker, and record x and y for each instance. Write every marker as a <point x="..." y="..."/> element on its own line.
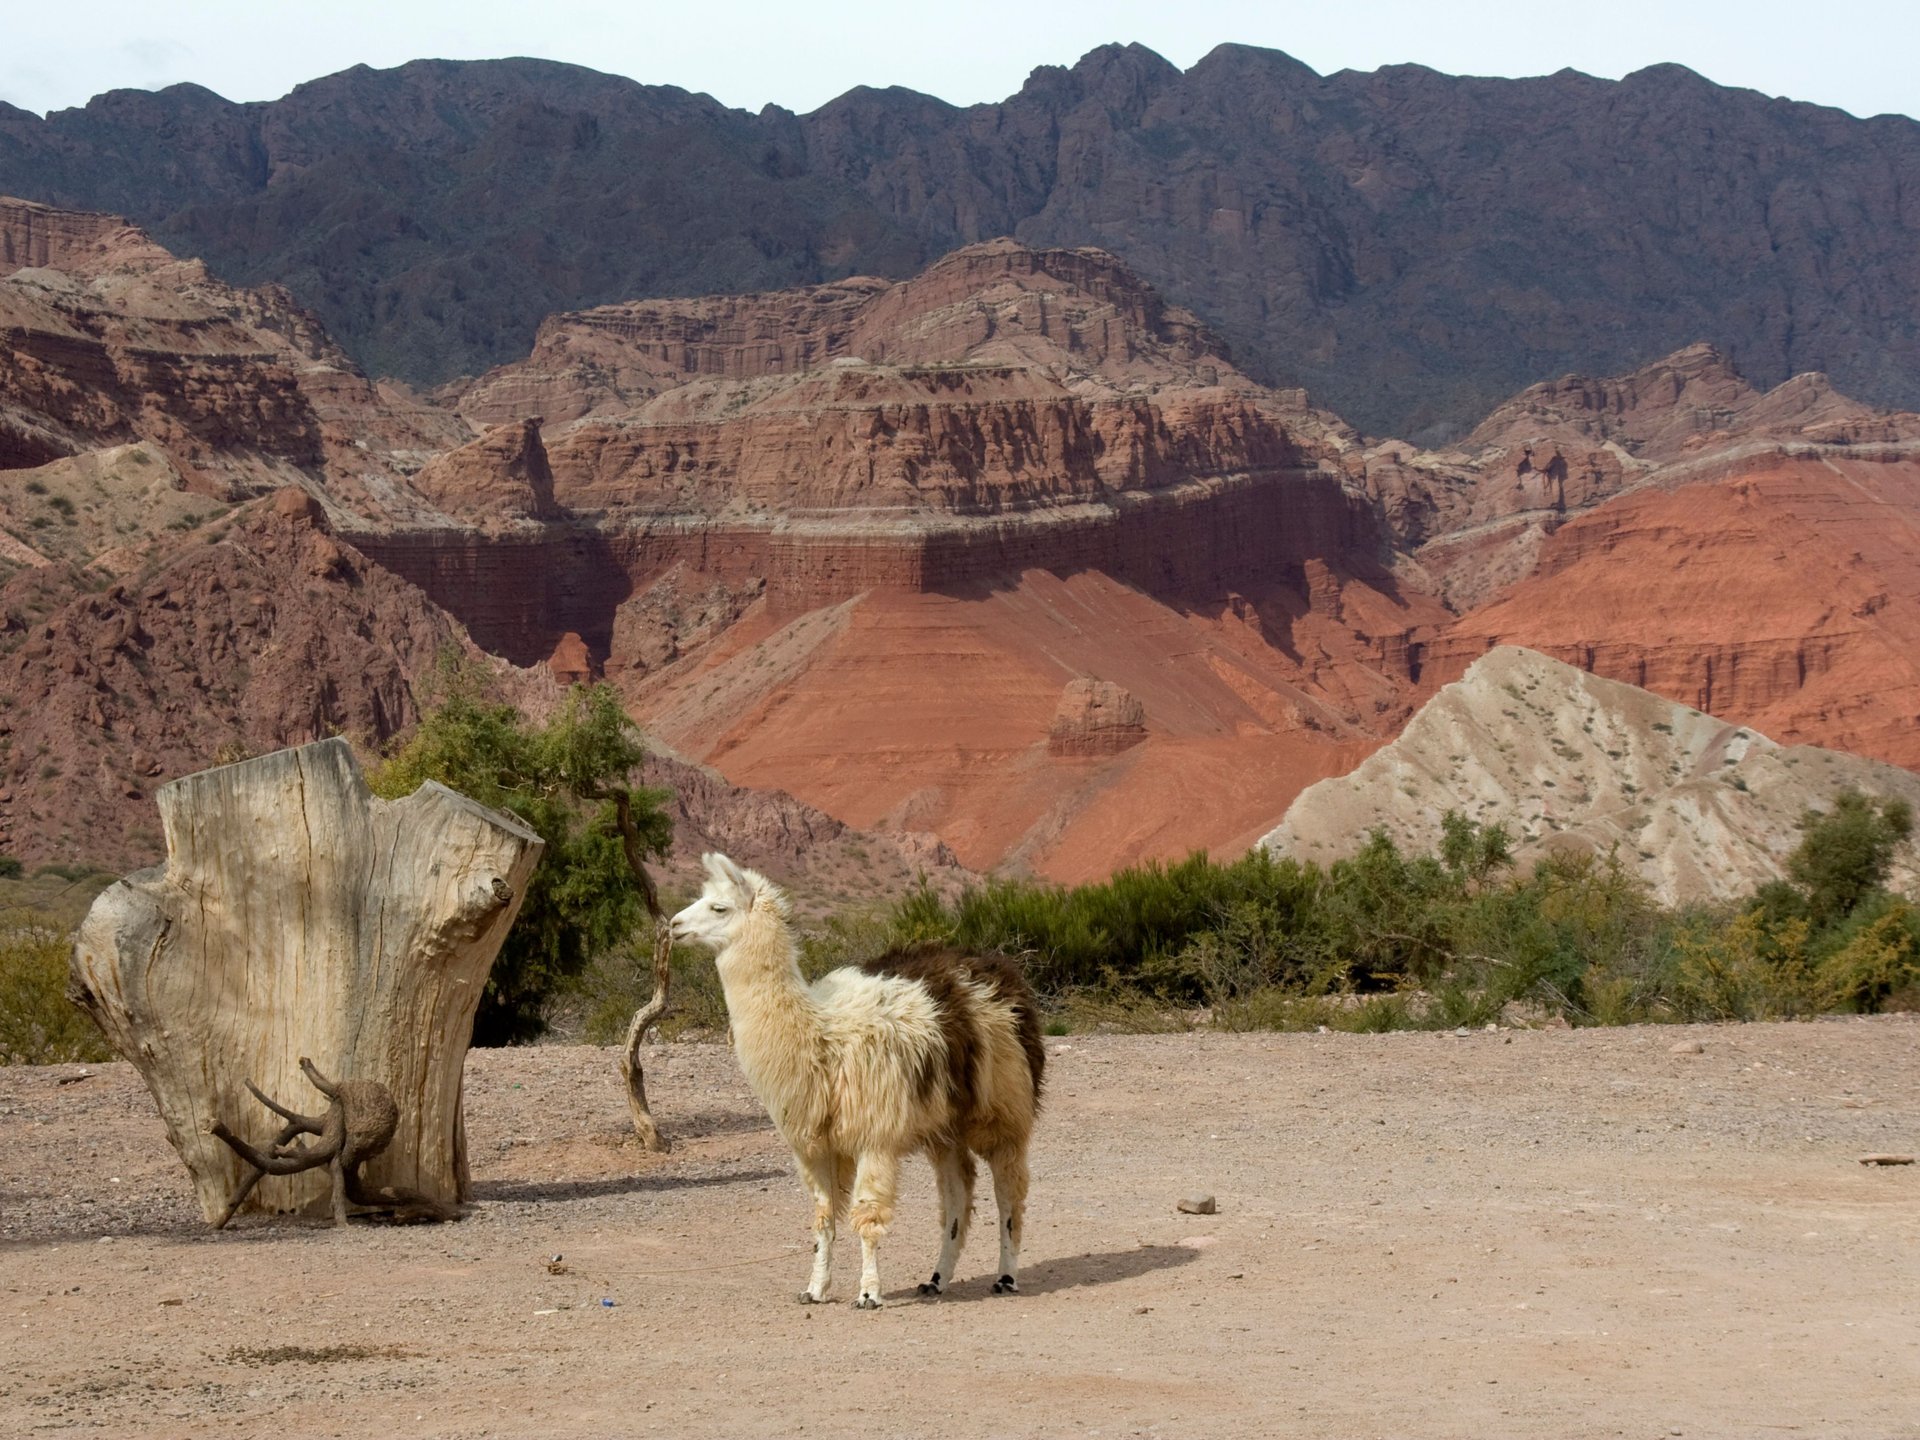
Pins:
<point x="941" y="969"/>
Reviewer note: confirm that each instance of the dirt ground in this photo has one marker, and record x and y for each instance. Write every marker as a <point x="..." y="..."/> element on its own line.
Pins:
<point x="1538" y="1233"/>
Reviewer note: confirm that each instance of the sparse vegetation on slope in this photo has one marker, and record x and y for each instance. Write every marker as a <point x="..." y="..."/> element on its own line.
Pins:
<point x="1389" y="939"/>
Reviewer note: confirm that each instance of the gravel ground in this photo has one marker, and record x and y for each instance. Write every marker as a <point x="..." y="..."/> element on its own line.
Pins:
<point x="1533" y="1233"/>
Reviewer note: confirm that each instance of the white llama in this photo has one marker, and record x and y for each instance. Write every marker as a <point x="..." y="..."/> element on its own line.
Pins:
<point x="923" y="1049"/>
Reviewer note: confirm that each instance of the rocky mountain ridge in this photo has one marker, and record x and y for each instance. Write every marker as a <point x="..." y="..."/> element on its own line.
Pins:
<point x="112" y="340"/>
<point x="1410" y="246"/>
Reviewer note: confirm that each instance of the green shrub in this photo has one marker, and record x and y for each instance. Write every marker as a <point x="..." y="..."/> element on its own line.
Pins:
<point x="1387" y="939"/>
<point x="1749" y="970"/>
<point x="582" y="900"/>
<point x="38" y="1024"/>
<point x="1846" y="852"/>
<point x="619" y="981"/>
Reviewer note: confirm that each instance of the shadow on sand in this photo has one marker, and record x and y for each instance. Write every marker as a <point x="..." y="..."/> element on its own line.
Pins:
<point x="524" y="1191"/>
<point x="1076" y="1272"/>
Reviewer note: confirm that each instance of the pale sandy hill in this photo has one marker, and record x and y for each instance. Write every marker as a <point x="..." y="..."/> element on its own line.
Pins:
<point x="97" y="508"/>
<point x="1700" y="808"/>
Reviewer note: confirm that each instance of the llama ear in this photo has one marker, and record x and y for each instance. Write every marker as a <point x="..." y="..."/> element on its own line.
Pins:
<point x="725" y="867"/>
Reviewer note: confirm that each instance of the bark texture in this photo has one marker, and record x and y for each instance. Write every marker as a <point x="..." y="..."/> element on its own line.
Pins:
<point x="296" y="915"/>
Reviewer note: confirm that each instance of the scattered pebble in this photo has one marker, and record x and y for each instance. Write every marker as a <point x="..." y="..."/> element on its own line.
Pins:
<point x="1686" y="1047"/>
<point x="1197" y="1205"/>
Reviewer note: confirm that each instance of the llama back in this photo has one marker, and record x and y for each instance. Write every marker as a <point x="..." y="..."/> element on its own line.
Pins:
<point x="986" y="1008"/>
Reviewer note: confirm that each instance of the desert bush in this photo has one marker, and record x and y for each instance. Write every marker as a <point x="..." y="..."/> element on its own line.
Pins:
<point x="1386" y="939"/>
<point x="1845" y="853"/>
<point x="582" y="901"/>
<point x="1749" y="969"/>
<point x="599" y="1004"/>
<point x="38" y="1024"/>
<point x="1871" y="960"/>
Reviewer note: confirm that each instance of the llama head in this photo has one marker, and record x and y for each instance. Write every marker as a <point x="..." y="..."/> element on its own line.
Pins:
<point x="732" y="898"/>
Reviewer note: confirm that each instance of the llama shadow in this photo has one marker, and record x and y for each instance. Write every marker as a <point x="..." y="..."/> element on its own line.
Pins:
<point x="545" y="1191"/>
<point x="1075" y="1272"/>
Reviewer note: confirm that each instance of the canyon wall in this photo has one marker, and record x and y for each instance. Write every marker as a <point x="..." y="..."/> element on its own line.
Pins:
<point x="518" y="592"/>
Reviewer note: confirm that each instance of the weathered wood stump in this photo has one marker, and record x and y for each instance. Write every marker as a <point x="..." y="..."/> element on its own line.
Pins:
<point x="296" y="915"/>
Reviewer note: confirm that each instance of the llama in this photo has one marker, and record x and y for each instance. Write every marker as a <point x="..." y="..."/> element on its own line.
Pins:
<point x="921" y="1050"/>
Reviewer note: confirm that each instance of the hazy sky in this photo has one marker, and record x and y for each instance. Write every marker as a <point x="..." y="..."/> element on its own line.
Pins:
<point x="1859" y="55"/>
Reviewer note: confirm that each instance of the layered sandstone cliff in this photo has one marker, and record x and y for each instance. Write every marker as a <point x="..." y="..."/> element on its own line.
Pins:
<point x="1785" y="596"/>
<point x="998" y="304"/>
<point x="1007" y="555"/>
<point x="110" y="340"/>
<point x="1473" y="519"/>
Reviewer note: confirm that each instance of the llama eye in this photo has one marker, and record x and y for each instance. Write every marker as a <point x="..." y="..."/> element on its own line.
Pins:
<point x="717" y="907"/>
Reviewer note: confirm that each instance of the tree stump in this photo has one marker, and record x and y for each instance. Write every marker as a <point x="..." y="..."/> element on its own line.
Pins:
<point x="296" y="915"/>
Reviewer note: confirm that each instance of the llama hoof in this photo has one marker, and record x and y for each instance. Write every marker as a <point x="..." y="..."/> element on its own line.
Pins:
<point x="933" y="1286"/>
<point x="1006" y="1285"/>
<point x="867" y="1302"/>
<point x="807" y="1297"/>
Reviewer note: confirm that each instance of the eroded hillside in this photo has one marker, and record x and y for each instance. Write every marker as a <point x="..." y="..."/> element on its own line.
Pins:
<point x="1008" y="558"/>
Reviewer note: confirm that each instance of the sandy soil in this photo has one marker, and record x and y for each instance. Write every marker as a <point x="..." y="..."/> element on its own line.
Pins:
<point x="1531" y="1234"/>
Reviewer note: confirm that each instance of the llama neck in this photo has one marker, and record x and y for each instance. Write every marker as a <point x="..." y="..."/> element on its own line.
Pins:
<point x="776" y="1024"/>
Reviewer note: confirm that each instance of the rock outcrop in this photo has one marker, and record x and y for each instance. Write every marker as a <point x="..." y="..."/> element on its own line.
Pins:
<point x="1000" y="304"/>
<point x="1785" y="596"/>
<point x="257" y="632"/>
<point x="504" y="476"/>
<point x="1474" y="519"/>
<point x="1095" y="718"/>
<point x="1698" y="808"/>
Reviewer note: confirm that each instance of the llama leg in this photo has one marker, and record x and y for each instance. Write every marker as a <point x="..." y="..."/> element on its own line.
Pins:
<point x="820" y="1171"/>
<point x="1010" y="1192"/>
<point x="874" y="1186"/>
<point x="953" y="1171"/>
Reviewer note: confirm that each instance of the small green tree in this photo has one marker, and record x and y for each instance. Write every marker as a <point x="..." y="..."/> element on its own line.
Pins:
<point x="1844" y="854"/>
<point x="570" y="781"/>
<point x="1471" y="850"/>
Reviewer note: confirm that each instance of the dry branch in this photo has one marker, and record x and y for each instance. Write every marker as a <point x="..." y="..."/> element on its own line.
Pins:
<point x="648" y="1014"/>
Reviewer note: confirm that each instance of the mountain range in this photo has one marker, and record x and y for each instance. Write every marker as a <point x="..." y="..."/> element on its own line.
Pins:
<point x="1411" y="247"/>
